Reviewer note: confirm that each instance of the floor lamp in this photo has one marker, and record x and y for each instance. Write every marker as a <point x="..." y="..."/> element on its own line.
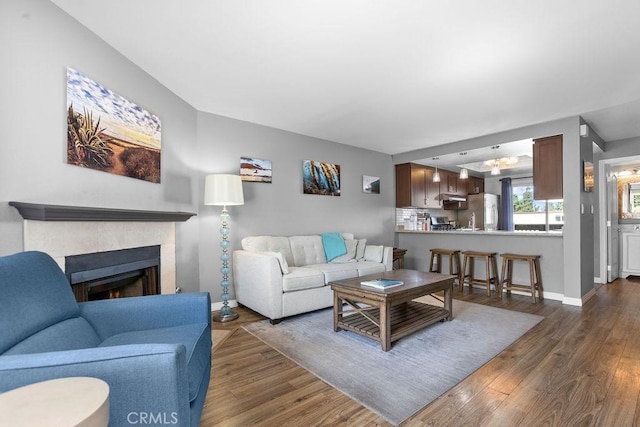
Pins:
<point x="224" y="190"/>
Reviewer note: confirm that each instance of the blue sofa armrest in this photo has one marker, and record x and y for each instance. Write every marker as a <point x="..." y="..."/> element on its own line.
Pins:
<point x="148" y="378"/>
<point x="115" y="316"/>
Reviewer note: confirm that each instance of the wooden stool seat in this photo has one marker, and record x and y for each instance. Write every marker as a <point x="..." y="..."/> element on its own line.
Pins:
<point x="535" y="277"/>
<point x="491" y="271"/>
<point x="454" y="262"/>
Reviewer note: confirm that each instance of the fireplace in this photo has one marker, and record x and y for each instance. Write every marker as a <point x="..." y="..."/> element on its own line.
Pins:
<point x="114" y="274"/>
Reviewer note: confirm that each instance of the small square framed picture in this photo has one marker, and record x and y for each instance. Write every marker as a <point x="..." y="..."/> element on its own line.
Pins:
<point x="371" y="184"/>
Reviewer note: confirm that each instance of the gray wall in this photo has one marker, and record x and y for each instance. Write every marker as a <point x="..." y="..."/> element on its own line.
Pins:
<point x="281" y="208"/>
<point x="39" y="42"/>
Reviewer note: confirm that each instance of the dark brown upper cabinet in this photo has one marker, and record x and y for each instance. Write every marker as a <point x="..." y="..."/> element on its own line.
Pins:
<point x="415" y="187"/>
<point x="547" y="168"/>
<point x="475" y="185"/>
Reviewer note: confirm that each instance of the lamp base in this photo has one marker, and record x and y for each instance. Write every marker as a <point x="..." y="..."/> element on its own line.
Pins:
<point x="219" y="317"/>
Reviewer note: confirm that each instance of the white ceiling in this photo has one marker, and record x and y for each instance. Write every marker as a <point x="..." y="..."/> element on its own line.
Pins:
<point x="390" y="76"/>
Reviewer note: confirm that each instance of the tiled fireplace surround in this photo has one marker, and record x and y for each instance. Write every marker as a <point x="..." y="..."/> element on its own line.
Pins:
<point x="64" y="238"/>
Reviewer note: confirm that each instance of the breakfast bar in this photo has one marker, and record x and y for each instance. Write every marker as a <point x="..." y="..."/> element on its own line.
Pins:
<point x="549" y="245"/>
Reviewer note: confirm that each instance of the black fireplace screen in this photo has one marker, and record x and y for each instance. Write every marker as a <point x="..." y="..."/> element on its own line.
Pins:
<point x="114" y="274"/>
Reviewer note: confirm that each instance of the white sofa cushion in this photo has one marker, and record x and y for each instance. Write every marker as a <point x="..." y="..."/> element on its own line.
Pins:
<point x="350" y="256"/>
<point x="369" y="267"/>
<point x="307" y="250"/>
<point x="300" y="278"/>
<point x="334" y="272"/>
<point x="284" y="265"/>
<point x="269" y="244"/>
<point x="362" y="244"/>
<point x="373" y="253"/>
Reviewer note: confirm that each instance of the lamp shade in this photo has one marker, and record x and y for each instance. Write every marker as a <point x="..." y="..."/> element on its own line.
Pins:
<point x="464" y="173"/>
<point x="223" y="190"/>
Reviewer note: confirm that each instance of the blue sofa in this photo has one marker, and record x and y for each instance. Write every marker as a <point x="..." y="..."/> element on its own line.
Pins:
<point x="153" y="351"/>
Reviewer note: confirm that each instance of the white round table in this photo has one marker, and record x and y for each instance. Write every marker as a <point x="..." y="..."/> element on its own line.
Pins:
<point x="74" y="401"/>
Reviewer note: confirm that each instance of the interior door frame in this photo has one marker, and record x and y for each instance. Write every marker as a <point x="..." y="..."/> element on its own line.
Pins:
<point x="604" y="166"/>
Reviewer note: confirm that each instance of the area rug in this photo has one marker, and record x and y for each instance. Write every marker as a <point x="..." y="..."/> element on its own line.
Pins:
<point x="418" y="368"/>
<point x="218" y="337"/>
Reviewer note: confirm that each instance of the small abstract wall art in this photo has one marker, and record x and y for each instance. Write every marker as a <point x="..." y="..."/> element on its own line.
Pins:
<point x="109" y="133"/>
<point x="320" y="178"/>
<point x="255" y="170"/>
<point x="371" y="184"/>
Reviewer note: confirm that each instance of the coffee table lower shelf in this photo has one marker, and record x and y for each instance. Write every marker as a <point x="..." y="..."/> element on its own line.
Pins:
<point x="405" y="319"/>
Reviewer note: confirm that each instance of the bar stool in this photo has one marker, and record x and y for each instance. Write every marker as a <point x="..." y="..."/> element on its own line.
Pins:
<point x="534" y="274"/>
<point x="454" y="261"/>
<point x="491" y="268"/>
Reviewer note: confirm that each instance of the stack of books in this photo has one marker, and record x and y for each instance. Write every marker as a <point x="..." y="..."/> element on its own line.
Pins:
<point x="382" y="283"/>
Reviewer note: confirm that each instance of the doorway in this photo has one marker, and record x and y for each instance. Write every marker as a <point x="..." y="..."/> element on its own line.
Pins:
<point x="608" y="224"/>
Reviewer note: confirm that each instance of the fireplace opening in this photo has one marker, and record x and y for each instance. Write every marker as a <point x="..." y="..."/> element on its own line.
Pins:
<point x="114" y="274"/>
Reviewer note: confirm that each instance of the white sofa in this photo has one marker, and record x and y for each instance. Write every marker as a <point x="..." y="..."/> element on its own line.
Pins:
<point x="283" y="276"/>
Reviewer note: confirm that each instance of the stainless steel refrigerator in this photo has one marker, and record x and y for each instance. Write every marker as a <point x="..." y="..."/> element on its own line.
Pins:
<point x="485" y="206"/>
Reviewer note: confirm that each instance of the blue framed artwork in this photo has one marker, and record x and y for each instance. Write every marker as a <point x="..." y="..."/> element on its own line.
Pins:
<point x="320" y="178"/>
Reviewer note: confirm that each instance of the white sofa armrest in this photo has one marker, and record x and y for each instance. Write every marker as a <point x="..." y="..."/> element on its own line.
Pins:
<point x="387" y="258"/>
<point x="258" y="282"/>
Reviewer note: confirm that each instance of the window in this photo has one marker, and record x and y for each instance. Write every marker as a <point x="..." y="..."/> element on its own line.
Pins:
<point x="535" y="215"/>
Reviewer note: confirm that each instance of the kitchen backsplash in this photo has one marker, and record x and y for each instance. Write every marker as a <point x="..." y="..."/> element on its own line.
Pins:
<point x="403" y="214"/>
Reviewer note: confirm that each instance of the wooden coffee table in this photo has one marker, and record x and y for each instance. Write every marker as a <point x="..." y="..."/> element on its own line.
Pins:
<point x="390" y="314"/>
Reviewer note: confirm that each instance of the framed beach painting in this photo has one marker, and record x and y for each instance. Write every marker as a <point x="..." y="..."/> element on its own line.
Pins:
<point x="320" y="178"/>
<point x="109" y="133"/>
<point x="371" y="184"/>
<point x="255" y="170"/>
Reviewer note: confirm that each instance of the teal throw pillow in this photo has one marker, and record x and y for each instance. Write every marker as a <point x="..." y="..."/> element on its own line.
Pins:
<point x="334" y="245"/>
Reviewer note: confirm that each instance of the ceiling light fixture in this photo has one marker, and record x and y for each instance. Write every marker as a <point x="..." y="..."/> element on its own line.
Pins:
<point x="464" y="173"/>
<point x="436" y="175"/>
<point x="495" y="169"/>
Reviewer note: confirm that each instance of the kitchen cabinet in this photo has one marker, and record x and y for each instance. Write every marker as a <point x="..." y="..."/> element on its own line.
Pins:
<point x="433" y="190"/>
<point x="415" y="187"/>
<point x="630" y="242"/>
<point x="475" y="185"/>
<point x="448" y="182"/>
<point x="547" y="168"/>
<point x="411" y="188"/>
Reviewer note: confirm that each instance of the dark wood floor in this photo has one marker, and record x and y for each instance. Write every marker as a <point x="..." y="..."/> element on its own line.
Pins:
<point x="580" y="366"/>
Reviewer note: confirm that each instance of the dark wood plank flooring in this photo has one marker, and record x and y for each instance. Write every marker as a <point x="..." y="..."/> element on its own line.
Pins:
<point x="580" y="366"/>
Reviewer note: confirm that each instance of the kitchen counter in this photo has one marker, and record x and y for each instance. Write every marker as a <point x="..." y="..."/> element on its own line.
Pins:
<point x="484" y="233"/>
<point x="549" y="245"/>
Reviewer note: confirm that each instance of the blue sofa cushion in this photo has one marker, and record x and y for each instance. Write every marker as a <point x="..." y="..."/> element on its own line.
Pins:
<point x="196" y="339"/>
<point x="35" y="295"/>
<point x="70" y="334"/>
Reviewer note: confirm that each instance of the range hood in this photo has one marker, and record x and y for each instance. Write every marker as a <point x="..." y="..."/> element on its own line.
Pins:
<point x="452" y="198"/>
<point x="453" y="202"/>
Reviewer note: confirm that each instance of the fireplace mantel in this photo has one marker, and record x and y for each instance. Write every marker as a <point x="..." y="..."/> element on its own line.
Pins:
<point x="41" y="212"/>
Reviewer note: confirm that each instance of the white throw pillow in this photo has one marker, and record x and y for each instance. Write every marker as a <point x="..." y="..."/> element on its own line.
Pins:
<point x="362" y="243"/>
<point x="284" y="266"/>
<point x="373" y="253"/>
<point x="349" y="256"/>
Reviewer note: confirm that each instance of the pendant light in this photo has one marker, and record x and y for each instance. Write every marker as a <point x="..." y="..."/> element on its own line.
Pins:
<point x="464" y="173"/>
<point x="495" y="168"/>
<point x="436" y="175"/>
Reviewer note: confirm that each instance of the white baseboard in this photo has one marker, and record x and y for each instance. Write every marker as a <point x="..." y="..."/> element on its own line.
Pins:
<point x="572" y="301"/>
<point x="547" y="295"/>
<point x="216" y="306"/>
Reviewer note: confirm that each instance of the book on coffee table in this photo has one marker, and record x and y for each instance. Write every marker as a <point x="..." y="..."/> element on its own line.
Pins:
<point x="382" y="283"/>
